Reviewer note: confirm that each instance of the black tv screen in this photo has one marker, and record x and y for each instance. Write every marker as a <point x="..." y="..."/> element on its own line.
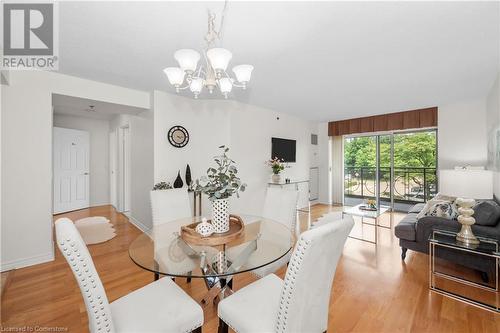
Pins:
<point x="283" y="149"/>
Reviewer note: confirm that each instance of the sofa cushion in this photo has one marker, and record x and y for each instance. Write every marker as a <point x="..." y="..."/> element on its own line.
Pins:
<point x="406" y="227"/>
<point x="417" y="208"/>
<point x="487" y="213"/>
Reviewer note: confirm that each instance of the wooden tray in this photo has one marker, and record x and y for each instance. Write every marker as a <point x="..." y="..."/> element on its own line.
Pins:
<point x="236" y="229"/>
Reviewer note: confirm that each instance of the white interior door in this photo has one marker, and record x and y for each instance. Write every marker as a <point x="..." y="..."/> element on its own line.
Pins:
<point x="113" y="158"/>
<point x="71" y="169"/>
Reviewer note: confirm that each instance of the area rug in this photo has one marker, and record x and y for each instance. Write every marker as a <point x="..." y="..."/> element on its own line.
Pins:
<point x="95" y="229"/>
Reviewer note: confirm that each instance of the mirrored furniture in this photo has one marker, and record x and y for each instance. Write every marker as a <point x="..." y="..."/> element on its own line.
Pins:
<point x="463" y="287"/>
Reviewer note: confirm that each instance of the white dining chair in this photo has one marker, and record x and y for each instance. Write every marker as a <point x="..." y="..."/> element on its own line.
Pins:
<point x="280" y="205"/>
<point x="161" y="306"/>
<point x="167" y="206"/>
<point x="299" y="303"/>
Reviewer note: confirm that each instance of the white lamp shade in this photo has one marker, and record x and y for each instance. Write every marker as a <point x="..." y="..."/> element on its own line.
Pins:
<point x="219" y="58"/>
<point x="187" y="59"/>
<point x="243" y="73"/>
<point x="468" y="184"/>
<point x="175" y="75"/>
<point x="225" y="85"/>
<point x="196" y="85"/>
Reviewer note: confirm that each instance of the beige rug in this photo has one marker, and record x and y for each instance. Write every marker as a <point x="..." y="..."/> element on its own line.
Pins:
<point x="95" y="229"/>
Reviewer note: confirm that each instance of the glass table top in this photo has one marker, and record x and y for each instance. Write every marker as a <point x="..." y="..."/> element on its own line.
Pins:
<point x="163" y="251"/>
<point x="448" y="238"/>
<point x="357" y="211"/>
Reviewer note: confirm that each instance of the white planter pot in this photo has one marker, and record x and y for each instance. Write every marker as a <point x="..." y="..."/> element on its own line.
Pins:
<point x="220" y="215"/>
<point x="276" y="178"/>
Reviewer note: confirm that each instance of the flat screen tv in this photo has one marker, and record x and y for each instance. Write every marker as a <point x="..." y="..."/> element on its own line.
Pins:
<point x="283" y="149"/>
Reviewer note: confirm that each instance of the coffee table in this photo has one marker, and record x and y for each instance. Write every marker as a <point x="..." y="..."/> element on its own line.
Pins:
<point x="370" y="214"/>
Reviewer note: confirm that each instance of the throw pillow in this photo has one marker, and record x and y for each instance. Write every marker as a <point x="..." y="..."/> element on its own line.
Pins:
<point x="487" y="213"/>
<point x="445" y="210"/>
<point x="428" y="206"/>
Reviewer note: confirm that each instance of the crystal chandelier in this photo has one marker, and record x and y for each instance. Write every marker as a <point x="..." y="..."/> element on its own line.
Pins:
<point x="212" y="72"/>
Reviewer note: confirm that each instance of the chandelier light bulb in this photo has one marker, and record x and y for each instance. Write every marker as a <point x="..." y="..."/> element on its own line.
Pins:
<point x="187" y="59"/>
<point x="175" y="75"/>
<point x="219" y="58"/>
<point x="243" y="73"/>
<point x="196" y="86"/>
<point x="225" y="86"/>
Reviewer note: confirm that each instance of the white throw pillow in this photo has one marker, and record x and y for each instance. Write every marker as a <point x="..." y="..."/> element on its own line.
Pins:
<point x="447" y="210"/>
<point x="428" y="206"/>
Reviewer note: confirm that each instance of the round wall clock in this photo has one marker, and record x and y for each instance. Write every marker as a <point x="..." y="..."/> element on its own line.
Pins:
<point x="178" y="136"/>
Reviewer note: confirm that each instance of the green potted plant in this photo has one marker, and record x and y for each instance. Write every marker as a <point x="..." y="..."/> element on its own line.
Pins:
<point x="277" y="165"/>
<point x="220" y="183"/>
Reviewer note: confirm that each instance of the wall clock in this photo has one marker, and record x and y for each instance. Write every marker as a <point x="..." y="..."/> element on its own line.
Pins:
<point x="178" y="136"/>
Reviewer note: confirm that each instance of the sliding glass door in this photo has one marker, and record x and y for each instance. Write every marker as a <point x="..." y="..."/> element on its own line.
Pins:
<point x="395" y="169"/>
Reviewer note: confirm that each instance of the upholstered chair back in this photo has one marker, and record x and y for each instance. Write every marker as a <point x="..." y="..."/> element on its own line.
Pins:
<point x="169" y="205"/>
<point x="75" y="251"/>
<point x="308" y="281"/>
<point x="280" y="205"/>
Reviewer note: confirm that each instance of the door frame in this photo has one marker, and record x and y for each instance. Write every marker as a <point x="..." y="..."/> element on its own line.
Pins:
<point x="123" y="169"/>
<point x="87" y="172"/>
<point x="113" y="168"/>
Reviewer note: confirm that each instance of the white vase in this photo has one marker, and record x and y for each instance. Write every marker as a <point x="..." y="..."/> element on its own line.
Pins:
<point x="220" y="215"/>
<point x="276" y="178"/>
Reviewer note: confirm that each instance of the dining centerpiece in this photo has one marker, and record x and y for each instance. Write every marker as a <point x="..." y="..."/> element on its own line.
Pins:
<point x="277" y="165"/>
<point x="220" y="183"/>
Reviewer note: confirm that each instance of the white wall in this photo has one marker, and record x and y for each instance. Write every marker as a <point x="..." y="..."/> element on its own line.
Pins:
<point x="141" y="165"/>
<point x="246" y="129"/>
<point x="141" y="168"/>
<point x="99" y="153"/>
<point x="493" y="130"/>
<point x="462" y="138"/>
<point x="27" y="157"/>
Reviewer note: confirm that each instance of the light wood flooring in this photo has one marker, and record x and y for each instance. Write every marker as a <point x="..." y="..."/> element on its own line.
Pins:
<point x="373" y="290"/>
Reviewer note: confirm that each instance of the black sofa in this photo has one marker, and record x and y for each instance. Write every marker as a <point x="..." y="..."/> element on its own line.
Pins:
<point x="414" y="234"/>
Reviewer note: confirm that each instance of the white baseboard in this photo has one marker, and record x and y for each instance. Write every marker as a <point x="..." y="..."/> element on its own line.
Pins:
<point x="20" y="263"/>
<point x="139" y="225"/>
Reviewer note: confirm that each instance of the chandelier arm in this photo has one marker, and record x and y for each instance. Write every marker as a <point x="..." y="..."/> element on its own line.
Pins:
<point x="221" y="30"/>
<point x="237" y="85"/>
<point x="183" y="88"/>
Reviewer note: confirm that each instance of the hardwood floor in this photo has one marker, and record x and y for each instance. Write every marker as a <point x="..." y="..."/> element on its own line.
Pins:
<point x="373" y="290"/>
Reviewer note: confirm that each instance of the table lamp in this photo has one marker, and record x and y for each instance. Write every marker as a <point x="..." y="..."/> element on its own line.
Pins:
<point x="466" y="184"/>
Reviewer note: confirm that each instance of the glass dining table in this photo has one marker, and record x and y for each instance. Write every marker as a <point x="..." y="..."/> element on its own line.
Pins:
<point x="163" y="252"/>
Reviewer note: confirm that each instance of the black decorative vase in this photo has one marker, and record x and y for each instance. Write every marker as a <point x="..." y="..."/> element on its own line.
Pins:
<point x="188" y="178"/>
<point x="178" y="181"/>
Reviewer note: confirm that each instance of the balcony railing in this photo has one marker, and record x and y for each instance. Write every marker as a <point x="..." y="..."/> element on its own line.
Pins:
<point x="411" y="184"/>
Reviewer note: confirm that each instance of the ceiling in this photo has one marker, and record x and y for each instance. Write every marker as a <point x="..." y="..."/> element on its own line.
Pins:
<point x="319" y="60"/>
<point x="88" y="108"/>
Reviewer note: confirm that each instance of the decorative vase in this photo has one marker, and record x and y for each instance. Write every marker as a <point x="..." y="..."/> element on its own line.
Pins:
<point x="204" y="228"/>
<point x="220" y="215"/>
<point x="276" y="178"/>
<point x="188" y="176"/>
<point x="178" y="181"/>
